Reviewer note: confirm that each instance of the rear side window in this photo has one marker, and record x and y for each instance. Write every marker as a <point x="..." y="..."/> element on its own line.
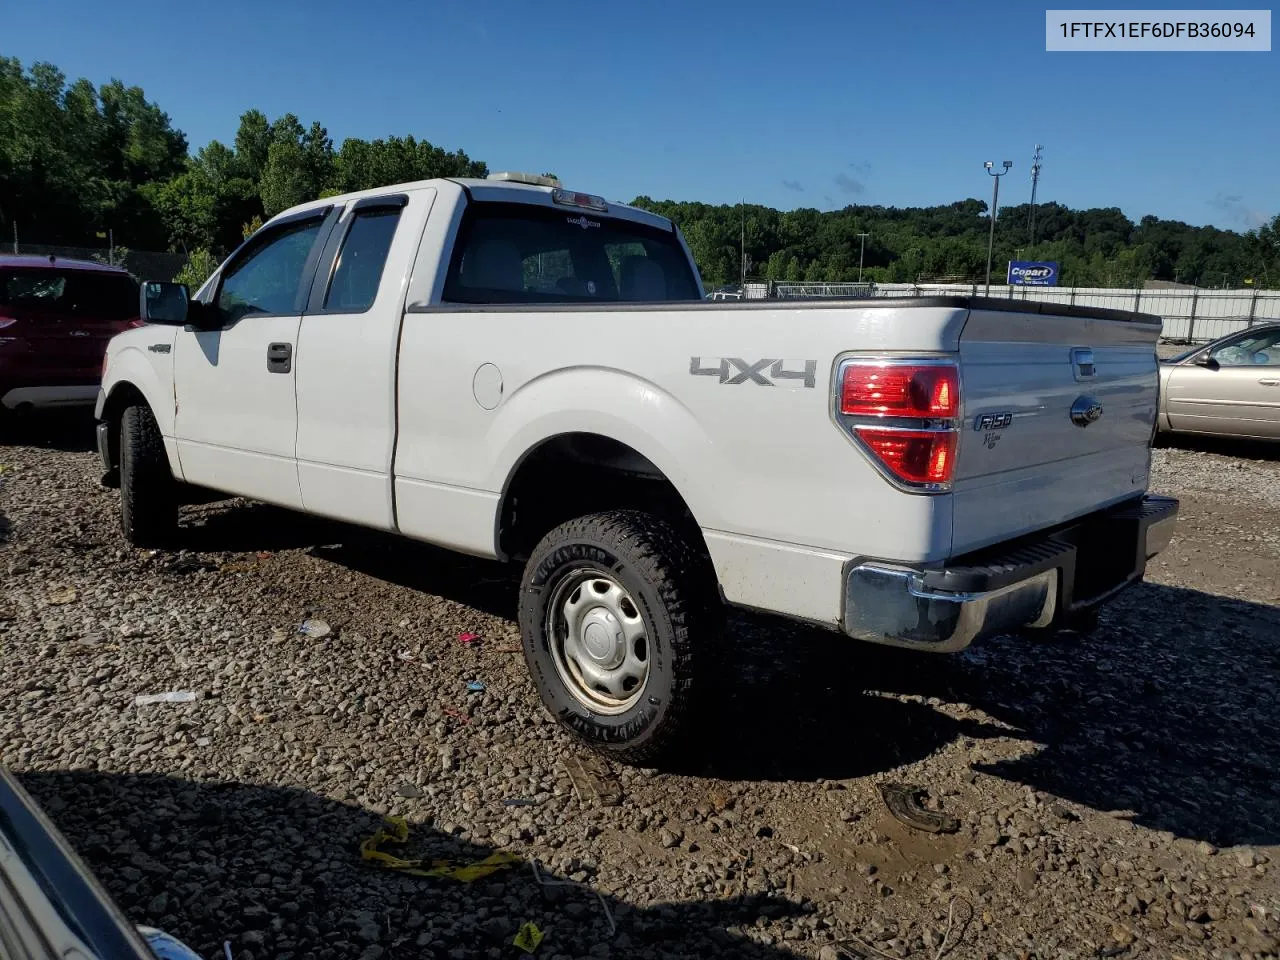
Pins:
<point x="521" y="253"/>
<point x="355" y="281"/>
<point x="69" y="294"/>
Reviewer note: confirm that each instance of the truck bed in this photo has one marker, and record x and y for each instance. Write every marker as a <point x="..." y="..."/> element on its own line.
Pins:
<point x="733" y="402"/>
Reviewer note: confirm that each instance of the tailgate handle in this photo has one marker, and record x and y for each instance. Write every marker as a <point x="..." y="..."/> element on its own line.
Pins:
<point x="279" y="357"/>
<point x="1082" y="363"/>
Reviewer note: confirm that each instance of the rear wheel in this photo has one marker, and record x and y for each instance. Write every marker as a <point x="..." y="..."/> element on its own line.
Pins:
<point x="613" y="607"/>
<point x="148" y="492"/>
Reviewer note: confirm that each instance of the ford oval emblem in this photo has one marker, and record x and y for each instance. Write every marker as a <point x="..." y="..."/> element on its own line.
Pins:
<point x="1085" y="410"/>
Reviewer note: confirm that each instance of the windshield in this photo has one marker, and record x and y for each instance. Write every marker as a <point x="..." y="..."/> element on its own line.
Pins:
<point x="70" y="293"/>
<point x="521" y="253"/>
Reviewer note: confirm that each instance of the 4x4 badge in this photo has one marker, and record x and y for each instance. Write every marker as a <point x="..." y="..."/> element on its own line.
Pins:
<point x="779" y="372"/>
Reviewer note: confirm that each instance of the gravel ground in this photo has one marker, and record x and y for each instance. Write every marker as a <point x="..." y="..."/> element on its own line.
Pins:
<point x="1116" y="795"/>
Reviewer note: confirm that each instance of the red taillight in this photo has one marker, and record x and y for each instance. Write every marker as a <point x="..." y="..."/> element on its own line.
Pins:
<point x="930" y="391"/>
<point x="916" y="456"/>
<point x="905" y="414"/>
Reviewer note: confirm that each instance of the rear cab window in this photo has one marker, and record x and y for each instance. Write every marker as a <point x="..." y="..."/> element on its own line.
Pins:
<point x="526" y="253"/>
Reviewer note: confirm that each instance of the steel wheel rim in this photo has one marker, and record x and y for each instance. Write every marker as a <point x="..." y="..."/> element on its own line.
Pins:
<point x="599" y="641"/>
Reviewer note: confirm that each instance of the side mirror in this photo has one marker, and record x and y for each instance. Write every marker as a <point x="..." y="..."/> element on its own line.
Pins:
<point x="170" y="304"/>
<point x="164" y="302"/>
<point x="1207" y="362"/>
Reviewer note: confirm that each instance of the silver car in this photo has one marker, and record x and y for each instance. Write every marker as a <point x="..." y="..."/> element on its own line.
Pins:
<point x="51" y="906"/>
<point x="1227" y="388"/>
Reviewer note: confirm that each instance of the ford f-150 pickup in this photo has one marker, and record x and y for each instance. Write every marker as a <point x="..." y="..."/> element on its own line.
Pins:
<point x="514" y="370"/>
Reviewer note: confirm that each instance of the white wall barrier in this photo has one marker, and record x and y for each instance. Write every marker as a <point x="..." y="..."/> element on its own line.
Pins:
<point x="1192" y="315"/>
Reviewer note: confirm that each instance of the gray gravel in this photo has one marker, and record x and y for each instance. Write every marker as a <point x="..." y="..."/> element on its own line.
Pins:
<point x="1117" y="794"/>
<point x="1228" y="472"/>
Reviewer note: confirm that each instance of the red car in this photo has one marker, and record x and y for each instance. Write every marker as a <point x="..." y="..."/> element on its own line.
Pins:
<point x="56" y="317"/>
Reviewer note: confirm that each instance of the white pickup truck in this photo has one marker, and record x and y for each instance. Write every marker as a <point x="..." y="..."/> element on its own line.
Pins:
<point x="513" y="370"/>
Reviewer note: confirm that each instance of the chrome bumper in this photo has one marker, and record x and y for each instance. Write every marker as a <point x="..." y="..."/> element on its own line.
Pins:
<point x="1029" y="585"/>
<point x="892" y="606"/>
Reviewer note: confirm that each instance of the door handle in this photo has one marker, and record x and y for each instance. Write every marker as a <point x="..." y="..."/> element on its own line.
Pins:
<point x="1270" y="382"/>
<point x="279" y="357"/>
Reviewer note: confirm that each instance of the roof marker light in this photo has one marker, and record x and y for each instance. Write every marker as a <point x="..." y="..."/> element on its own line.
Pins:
<point x="534" y="179"/>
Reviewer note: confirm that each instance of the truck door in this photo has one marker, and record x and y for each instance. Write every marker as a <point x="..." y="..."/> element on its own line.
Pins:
<point x="237" y="416"/>
<point x="347" y="358"/>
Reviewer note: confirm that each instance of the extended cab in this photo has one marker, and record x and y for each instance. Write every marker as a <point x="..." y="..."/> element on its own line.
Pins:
<point x="512" y="370"/>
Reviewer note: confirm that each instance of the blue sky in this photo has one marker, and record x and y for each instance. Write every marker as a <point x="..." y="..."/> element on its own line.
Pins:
<point x="795" y="104"/>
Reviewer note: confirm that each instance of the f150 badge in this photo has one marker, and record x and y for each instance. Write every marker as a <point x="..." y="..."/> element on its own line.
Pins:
<point x="767" y="373"/>
<point x="992" y="421"/>
<point x="988" y="424"/>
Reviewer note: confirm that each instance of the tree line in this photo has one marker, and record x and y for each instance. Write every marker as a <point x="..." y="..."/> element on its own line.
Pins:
<point x="77" y="160"/>
<point x="1094" y="248"/>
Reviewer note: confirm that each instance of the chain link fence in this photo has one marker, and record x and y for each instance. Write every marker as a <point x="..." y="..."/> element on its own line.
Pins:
<point x="143" y="264"/>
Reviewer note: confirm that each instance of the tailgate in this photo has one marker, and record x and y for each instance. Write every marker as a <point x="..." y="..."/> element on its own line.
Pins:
<point x="1047" y="436"/>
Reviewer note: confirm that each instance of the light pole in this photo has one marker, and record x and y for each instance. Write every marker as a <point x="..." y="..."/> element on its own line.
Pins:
<point x="862" y="253"/>
<point x="995" y="202"/>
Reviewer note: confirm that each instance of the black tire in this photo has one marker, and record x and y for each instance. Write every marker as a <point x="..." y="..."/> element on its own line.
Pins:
<point x="675" y="593"/>
<point x="148" y="492"/>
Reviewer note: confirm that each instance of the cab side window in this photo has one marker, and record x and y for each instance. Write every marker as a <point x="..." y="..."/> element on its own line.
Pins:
<point x="355" y="281"/>
<point x="266" y="279"/>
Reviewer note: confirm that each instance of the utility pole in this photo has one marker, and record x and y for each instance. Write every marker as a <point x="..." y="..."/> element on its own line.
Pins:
<point x="15" y="237"/>
<point x="742" y="250"/>
<point x="111" y="246"/>
<point x="1035" y="182"/>
<point x="995" y="203"/>
<point x="862" y="253"/>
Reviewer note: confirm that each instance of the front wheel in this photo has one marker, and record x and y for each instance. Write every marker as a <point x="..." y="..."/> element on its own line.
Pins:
<point x="148" y="492"/>
<point x="612" y="609"/>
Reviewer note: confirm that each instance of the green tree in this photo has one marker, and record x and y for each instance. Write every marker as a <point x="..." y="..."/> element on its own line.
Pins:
<point x="198" y="268"/>
<point x="253" y="140"/>
<point x="285" y="178"/>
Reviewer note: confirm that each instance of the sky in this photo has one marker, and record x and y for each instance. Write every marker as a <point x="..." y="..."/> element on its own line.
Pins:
<point x="786" y="104"/>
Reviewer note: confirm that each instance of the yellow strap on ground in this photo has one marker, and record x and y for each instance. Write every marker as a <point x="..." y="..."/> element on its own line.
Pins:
<point x="528" y="938"/>
<point x="396" y="830"/>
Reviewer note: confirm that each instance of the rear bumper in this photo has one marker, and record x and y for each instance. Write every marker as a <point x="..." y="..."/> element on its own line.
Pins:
<point x="1034" y="582"/>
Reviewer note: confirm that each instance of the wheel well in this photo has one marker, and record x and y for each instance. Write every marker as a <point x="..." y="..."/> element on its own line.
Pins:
<point x="574" y="474"/>
<point x="123" y="396"/>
